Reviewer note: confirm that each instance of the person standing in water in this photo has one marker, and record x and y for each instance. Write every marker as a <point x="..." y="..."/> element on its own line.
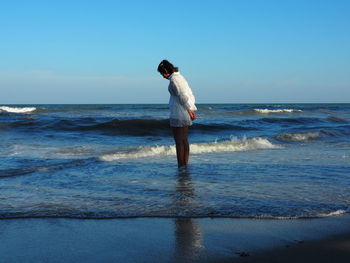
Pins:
<point x="182" y="109"/>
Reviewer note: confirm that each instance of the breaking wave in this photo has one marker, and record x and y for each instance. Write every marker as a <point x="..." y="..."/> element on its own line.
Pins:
<point x="311" y="216"/>
<point x="300" y="136"/>
<point x="267" y="111"/>
<point x="17" y="109"/>
<point x="335" y="213"/>
<point x="307" y="136"/>
<point x="232" y="145"/>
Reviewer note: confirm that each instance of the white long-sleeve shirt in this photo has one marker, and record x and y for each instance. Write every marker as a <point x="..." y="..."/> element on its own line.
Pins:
<point x="181" y="100"/>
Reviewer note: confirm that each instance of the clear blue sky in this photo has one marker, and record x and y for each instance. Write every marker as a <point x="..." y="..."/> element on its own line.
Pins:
<point x="230" y="51"/>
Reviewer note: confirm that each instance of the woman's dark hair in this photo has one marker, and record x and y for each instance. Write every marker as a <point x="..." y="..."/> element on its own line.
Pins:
<point x="165" y="67"/>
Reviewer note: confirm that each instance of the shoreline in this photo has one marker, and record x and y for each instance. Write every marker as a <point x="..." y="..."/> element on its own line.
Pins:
<point x="175" y="240"/>
<point x="332" y="214"/>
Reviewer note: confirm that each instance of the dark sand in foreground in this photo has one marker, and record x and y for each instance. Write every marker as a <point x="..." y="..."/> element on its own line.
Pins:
<point x="175" y="240"/>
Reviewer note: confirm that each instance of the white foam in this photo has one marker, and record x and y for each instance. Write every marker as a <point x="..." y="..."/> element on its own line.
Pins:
<point x="267" y="111"/>
<point x="17" y="109"/>
<point x="48" y="151"/>
<point x="300" y="137"/>
<point x="335" y="213"/>
<point x="232" y="145"/>
<point x="322" y="215"/>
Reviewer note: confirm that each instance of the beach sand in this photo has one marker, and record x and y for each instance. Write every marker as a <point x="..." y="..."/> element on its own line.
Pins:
<point x="175" y="240"/>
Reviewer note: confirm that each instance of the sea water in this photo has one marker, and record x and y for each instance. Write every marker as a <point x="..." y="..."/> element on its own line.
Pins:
<point x="111" y="161"/>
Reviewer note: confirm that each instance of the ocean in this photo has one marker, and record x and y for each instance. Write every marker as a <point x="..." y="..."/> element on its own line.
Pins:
<point x="283" y="161"/>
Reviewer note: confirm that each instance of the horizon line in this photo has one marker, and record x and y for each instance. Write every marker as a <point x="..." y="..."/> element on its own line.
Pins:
<point x="200" y="103"/>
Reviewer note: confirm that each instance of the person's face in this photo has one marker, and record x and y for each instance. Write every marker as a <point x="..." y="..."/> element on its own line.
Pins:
<point x="165" y="75"/>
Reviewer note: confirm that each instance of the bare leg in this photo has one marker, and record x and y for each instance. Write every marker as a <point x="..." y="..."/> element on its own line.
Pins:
<point x="177" y="131"/>
<point x="186" y="145"/>
<point x="182" y="146"/>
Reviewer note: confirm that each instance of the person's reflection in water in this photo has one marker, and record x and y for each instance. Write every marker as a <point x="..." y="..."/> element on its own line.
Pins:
<point x="188" y="236"/>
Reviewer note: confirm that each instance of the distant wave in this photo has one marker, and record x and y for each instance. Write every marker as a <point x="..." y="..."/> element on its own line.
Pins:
<point x="73" y="108"/>
<point x="268" y="111"/>
<point x="17" y="109"/>
<point x="308" y="136"/>
<point x="151" y="127"/>
<point x="204" y="107"/>
<point x="232" y="145"/>
<point x="337" y="119"/>
<point x="131" y="127"/>
<point x="300" y="136"/>
<point x="302" y="120"/>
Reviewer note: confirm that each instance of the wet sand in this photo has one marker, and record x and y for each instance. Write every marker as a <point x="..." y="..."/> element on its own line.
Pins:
<point x="175" y="240"/>
<point x="332" y="249"/>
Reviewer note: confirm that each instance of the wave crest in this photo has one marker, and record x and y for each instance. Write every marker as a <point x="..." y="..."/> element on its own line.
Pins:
<point x="268" y="111"/>
<point x="300" y="136"/>
<point x="232" y="145"/>
<point x="115" y="127"/>
<point x="309" y="136"/>
<point x="17" y="109"/>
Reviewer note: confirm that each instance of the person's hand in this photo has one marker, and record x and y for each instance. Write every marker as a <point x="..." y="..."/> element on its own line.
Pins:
<point x="192" y="114"/>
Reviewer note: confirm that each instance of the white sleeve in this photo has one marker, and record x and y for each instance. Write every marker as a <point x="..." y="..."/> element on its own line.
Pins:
<point x="180" y="86"/>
